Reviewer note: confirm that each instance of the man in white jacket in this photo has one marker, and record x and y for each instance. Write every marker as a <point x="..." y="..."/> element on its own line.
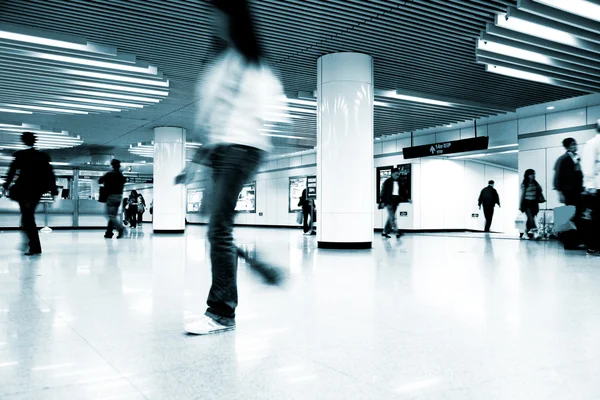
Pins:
<point x="591" y="181"/>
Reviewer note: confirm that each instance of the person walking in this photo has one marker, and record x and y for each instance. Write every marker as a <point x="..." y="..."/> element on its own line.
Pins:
<point x="591" y="182"/>
<point x="113" y="181"/>
<point x="391" y="196"/>
<point x="36" y="178"/>
<point x="238" y="94"/>
<point x="141" y="209"/>
<point x="307" y="212"/>
<point x="132" y="209"/>
<point x="488" y="198"/>
<point x="568" y="176"/>
<point x="531" y="197"/>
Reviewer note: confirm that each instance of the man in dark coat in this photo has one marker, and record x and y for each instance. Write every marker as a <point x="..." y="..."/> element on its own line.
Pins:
<point x="488" y="199"/>
<point x="35" y="179"/>
<point x="568" y="178"/>
<point x="392" y="194"/>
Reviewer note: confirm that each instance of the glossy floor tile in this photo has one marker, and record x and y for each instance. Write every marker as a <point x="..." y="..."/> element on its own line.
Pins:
<point x="462" y="316"/>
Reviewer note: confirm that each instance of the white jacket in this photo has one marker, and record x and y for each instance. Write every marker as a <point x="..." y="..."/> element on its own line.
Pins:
<point x="237" y="99"/>
<point x="590" y="163"/>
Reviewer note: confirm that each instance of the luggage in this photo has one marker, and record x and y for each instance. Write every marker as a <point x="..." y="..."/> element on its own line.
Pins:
<point x="565" y="228"/>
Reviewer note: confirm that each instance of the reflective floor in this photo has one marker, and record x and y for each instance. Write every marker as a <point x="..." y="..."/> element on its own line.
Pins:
<point x="427" y="317"/>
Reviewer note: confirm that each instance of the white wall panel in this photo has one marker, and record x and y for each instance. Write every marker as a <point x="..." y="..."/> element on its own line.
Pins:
<point x="389" y="147"/>
<point x="532" y="124"/>
<point x="432" y="184"/>
<point x="475" y="176"/>
<point x="309" y="159"/>
<point x="378" y="148"/>
<point x="509" y="199"/>
<point x="566" y="119"/>
<point x="283" y="163"/>
<point x="453" y="185"/>
<point x="295" y="161"/>
<point x="593" y="114"/>
<point x="447" y="136"/>
<point x="503" y="133"/>
<point x="402" y="143"/>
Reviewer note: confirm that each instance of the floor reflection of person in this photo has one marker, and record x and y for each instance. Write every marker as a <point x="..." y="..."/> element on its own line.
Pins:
<point x="238" y="93"/>
<point x="36" y="178"/>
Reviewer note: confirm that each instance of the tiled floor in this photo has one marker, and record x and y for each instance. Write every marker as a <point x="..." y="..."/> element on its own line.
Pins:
<point x="427" y="317"/>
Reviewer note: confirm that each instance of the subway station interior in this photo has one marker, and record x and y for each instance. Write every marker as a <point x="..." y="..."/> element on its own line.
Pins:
<point x="366" y="137"/>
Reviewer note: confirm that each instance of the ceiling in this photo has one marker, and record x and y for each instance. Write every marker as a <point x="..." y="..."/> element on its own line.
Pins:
<point x="419" y="46"/>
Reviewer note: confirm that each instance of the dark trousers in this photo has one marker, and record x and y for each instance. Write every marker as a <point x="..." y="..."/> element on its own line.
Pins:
<point x="28" y="225"/>
<point x="530" y="206"/>
<point x="488" y="212"/>
<point x="113" y="202"/>
<point x="132" y="216"/>
<point x="392" y="221"/>
<point x="574" y="198"/>
<point x="591" y="221"/>
<point x="232" y="166"/>
<point x="306" y="214"/>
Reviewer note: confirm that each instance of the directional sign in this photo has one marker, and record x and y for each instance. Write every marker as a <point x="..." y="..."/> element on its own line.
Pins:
<point x="452" y="147"/>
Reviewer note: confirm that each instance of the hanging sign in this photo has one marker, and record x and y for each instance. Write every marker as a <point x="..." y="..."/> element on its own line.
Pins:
<point x="444" y="148"/>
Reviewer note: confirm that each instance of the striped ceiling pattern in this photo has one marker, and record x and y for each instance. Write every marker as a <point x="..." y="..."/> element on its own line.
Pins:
<point x="423" y="49"/>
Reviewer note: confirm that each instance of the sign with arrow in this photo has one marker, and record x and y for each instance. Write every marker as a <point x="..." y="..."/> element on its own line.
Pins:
<point x="444" y="148"/>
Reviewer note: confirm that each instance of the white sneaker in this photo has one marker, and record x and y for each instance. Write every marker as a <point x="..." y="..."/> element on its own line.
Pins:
<point x="206" y="326"/>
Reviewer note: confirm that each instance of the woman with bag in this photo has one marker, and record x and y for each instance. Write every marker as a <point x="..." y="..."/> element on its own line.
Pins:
<point x="531" y="197"/>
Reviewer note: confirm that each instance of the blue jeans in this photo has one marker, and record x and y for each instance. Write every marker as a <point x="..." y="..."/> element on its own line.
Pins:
<point x="232" y="166"/>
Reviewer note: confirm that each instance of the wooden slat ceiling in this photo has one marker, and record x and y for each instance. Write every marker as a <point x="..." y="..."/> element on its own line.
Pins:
<point x="426" y="46"/>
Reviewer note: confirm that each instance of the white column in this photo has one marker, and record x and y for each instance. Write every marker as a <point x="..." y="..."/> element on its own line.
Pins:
<point x="345" y="174"/>
<point x="169" y="199"/>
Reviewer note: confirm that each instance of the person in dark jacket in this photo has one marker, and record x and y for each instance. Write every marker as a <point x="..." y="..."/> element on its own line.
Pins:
<point x="488" y="198"/>
<point x="35" y="179"/>
<point x="307" y="212"/>
<point x="392" y="194"/>
<point x="113" y="181"/>
<point x="132" y="209"/>
<point x="141" y="209"/>
<point x="568" y="178"/>
<point x="531" y="197"/>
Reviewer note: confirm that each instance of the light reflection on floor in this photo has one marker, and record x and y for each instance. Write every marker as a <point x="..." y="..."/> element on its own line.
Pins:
<point x="426" y="317"/>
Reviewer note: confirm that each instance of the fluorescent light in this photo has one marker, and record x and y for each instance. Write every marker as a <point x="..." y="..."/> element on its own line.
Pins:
<point x="113" y="77"/>
<point x="107" y="102"/>
<point x="294" y="109"/>
<point x="59" y="163"/>
<point x="120" y="87"/>
<point x="381" y="104"/>
<point x="513" y="52"/>
<point x="449" y="126"/>
<point x="377" y="138"/>
<point x="114" y="95"/>
<point x="91" y="63"/>
<point x="533" y="29"/>
<point x="504" y="146"/>
<point x="583" y="8"/>
<point x="550" y="108"/>
<point x="395" y="95"/>
<point x="43" y="41"/>
<point x="285" y="136"/>
<point x="8" y="110"/>
<point x="47" y="109"/>
<point x="518" y="74"/>
<point x="54" y="103"/>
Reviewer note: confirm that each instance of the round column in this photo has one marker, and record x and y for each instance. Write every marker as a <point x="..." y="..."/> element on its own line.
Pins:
<point x="169" y="199"/>
<point x="345" y="151"/>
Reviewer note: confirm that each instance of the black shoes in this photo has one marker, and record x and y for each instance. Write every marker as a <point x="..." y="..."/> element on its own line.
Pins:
<point x="33" y="253"/>
<point x="107" y="236"/>
<point x="591" y="252"/>
<point x="385" y="235"/>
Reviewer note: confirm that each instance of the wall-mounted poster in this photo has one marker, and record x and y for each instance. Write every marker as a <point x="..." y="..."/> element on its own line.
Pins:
<point x="247" y="199"/>
<point x="297" y="185"/>
<point x="194" y="200"/>
<point x="383" y="173"/>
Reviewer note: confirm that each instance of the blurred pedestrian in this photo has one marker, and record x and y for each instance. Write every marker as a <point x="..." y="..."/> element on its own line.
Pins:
<point x="113" y="181"/>
<point x="36" y="178"/>
<point x="238" y="94"/>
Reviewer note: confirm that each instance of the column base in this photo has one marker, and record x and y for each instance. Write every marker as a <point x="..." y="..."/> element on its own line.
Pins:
<point x="345" y="246"/>
<point x="176" y="231"/>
